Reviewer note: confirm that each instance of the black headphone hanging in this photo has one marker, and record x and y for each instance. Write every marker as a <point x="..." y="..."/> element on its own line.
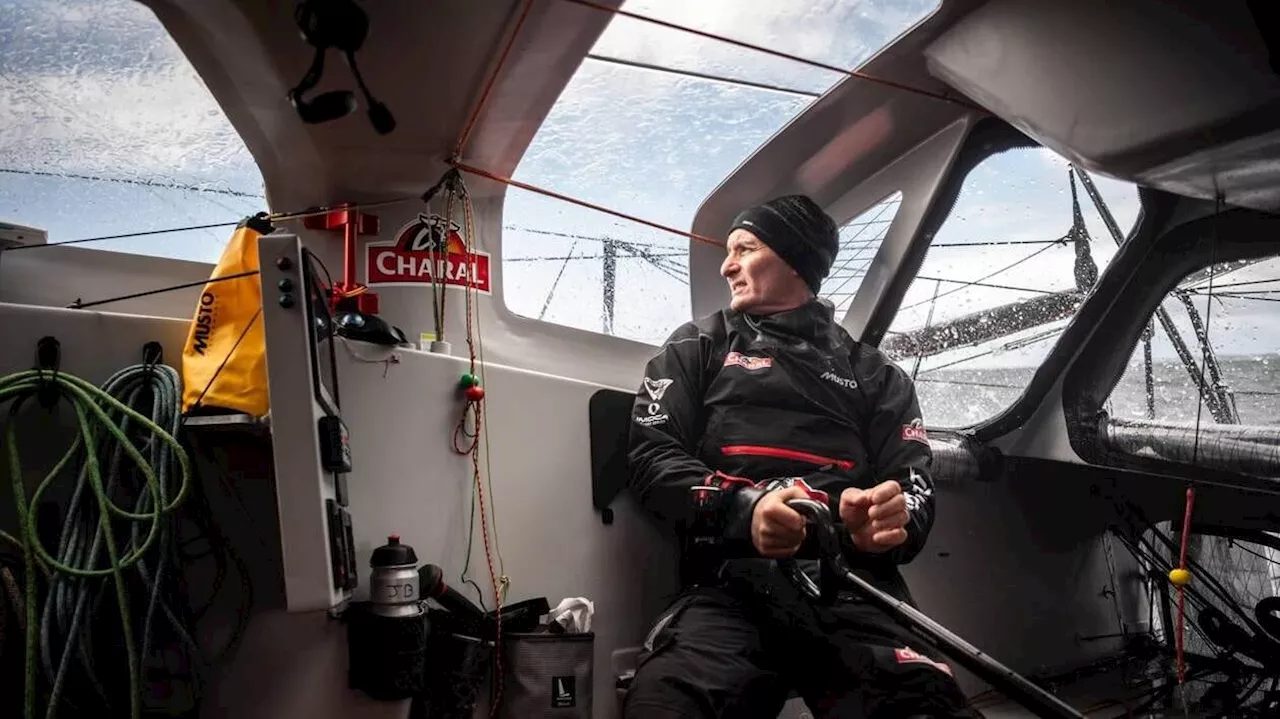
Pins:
<point x="343" y="25"/>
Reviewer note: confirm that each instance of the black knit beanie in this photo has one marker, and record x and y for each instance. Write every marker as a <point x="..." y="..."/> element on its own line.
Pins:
<point x="797" y="229"/>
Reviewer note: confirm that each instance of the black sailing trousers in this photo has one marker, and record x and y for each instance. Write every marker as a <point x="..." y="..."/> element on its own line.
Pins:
<point x="738" y="649"/>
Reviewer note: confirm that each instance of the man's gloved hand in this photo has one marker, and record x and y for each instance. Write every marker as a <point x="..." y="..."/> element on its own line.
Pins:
<point x="776" y="529"/>
<point x="875" y="518"/>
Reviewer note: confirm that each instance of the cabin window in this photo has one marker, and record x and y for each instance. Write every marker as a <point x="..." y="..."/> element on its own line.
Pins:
<point x="1003" y="277"/>
<point x="105" y="129"/>
<point x="1238" y="363"/>
<point x="650" y="124"/>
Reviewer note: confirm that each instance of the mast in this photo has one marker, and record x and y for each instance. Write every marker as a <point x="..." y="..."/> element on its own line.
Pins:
<point x="1216" y="397"/>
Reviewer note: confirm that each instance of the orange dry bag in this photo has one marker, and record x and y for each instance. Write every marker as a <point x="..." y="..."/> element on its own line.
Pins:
<point x="224" y="361"/>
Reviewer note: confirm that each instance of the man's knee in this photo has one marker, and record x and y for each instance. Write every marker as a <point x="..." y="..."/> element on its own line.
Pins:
<point x="703" y="659"/>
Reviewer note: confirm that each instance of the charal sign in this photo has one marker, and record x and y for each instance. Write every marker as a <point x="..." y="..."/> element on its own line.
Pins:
<point x="424" y="251"/>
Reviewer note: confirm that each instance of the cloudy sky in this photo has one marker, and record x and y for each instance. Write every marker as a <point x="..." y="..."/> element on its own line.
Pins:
<point x="95" y="89"/>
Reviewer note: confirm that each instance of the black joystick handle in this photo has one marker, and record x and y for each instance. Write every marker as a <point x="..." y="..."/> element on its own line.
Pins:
<point x="431" y="580"/>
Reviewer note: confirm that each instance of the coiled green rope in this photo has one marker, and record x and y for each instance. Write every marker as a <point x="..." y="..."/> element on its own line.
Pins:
<point x="103" y="422"/>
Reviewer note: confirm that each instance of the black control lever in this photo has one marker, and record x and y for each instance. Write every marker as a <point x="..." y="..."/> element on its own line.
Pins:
<point x="1005" y="680"/>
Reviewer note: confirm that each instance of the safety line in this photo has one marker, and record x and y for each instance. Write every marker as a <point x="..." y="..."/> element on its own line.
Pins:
<point x="582" y="203"/>
<point x="78" y="305"/>
<point x="778" y="53"/>
<point x="123" y="236"/>
<point x="276" y="217"/>
<point x="488" y="85"/>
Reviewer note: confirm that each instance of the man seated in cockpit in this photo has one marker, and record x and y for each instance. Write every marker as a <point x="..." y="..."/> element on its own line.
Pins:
<point x="772" y="400"/>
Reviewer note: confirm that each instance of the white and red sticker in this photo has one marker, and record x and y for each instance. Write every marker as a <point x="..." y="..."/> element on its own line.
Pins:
<point x="915" y="432"/>
<point x="426" y="250"/>
<point x="910" y="656"/>
<point x="746" y="362"/>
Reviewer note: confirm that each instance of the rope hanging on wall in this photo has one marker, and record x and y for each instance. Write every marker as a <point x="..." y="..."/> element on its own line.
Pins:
<point x="127" y="448"/>
<point x="472" y="413"/>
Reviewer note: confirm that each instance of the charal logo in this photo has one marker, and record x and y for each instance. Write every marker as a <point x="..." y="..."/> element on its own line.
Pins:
<point x="914" y="432"/>
<point x="846" y="382"/>
<point x="746" y="362"/>
<point x="909" y="656"/>
<point x="563" y="692"/>
<point x="428" y="249"/>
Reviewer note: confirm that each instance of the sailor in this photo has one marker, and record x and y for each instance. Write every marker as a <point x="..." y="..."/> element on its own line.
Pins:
<point x="770" y="400"/>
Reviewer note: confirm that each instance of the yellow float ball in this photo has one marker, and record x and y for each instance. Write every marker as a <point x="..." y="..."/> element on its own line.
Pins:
<point x="1179" y="577"/>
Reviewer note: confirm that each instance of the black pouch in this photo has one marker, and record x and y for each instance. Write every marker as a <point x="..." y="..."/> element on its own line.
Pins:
<point x="385" y="655"/>
<point x="546" y="674"/>
<point x="457" y="665"/>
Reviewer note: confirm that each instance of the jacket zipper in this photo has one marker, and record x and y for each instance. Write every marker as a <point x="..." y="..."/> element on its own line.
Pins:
<point x="779" y="452"/>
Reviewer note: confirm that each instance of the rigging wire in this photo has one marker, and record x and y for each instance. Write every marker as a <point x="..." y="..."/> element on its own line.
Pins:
<point x="1230" y="642"/>
<point x="995" y="243"/>
<point x="587" y="238"/>
<point x="555" y="283"/>
<point x="78" y="305"/>
<point x="479" y="172"/>
<point x="130" y="181"/>
<point x="126" y="235"/>
<point x="575" y="258"/>
<point x="994" y="286"/>
<point x="467" y="129"/>
<point x="984" y="278"/>
<point x="1195" y="452"/>
<point x="702" y="75"/>
<point x="778" y="53"/>
<point x="1018" y="344"/>
<point x="847" y="244"/>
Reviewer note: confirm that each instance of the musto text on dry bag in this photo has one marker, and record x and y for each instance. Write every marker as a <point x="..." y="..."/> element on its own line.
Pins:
<point x="224" y="361"/>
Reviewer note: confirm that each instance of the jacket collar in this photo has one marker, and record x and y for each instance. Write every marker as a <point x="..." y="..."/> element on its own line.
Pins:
<point x="813" y="322"/>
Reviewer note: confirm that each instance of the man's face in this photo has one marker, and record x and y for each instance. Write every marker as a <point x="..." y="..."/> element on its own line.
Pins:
<point x="760" y="280"/>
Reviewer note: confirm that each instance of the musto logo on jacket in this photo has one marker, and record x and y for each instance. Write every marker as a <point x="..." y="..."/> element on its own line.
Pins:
<point x="655" y="388"/>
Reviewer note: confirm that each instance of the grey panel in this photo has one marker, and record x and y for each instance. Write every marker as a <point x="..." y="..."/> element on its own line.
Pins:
<point x="302" y="484"/>
<point x="1159" y="93"/>
<point x="57" y="276"/>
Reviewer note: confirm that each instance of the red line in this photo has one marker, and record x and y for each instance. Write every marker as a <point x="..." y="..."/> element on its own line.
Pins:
<point x="785" y="454"/>
<point x="1182" y="564"/>
<point x="583" y="203"/>
<point x="778" y="53"/>
<point x="493" y="79"/>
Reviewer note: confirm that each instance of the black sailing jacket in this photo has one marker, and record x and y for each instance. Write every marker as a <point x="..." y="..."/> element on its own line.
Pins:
<point x="735" y="400"/>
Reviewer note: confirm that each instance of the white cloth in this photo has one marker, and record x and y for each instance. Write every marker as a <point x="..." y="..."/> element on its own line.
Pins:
<point x="573" y="614"/>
